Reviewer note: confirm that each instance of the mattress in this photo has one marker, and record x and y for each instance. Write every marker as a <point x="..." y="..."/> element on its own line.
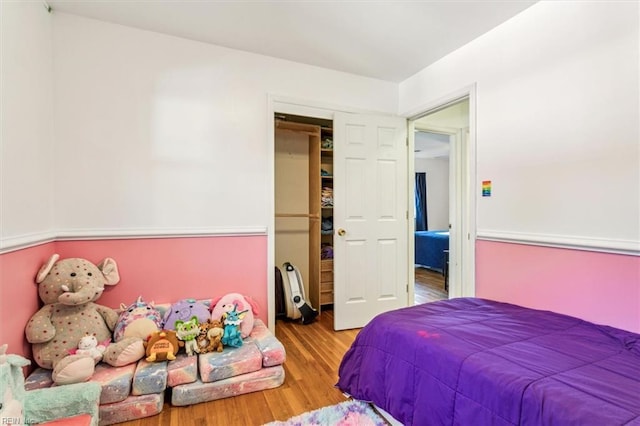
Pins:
<point x="474" y="361"/>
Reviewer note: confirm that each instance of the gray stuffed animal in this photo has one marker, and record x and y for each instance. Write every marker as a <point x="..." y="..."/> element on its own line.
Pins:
<point x="69" y="288"/>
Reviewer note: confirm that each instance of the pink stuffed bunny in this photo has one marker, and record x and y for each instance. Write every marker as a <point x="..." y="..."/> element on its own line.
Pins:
<point x="225" y="304"/>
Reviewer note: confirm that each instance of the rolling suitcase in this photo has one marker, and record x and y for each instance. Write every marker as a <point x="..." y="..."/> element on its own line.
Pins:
<point x="294" y="299"/>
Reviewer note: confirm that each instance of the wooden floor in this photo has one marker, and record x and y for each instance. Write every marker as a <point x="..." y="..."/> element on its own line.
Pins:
<point x="429" y="286"/>
<point x="314" y="352"/>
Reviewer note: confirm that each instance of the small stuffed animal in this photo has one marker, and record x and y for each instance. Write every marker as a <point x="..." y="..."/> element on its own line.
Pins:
<point x="12" y="392"/>
<point x="162" y="345"/>
<point x="88" y="345"/>
<point x="139" y="319"/>
<point x="232" y="335"/>
<point x="226" y="303"/>
<point x="187" y="331"/>
<point x="184" y="310"/>
<point x="210" y="337"/>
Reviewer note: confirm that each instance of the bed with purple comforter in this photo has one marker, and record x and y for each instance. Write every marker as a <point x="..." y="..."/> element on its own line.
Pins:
<point x="476" y="362"/>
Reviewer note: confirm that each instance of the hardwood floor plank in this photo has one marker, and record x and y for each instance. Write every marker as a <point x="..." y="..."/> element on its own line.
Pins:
<point x="429" y="286"/>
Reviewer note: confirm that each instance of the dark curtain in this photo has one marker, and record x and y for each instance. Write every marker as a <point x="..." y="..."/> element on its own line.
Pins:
<point x="421" y="202"/>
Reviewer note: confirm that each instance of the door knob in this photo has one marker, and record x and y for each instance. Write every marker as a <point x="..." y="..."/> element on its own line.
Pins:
<point x="341" y="232"/>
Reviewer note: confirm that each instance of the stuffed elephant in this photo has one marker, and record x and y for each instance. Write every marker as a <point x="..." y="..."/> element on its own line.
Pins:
<point x="69" y="288"/>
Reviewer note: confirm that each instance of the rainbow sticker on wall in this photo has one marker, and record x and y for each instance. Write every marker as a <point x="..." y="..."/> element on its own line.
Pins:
<point x="486" y="188"/>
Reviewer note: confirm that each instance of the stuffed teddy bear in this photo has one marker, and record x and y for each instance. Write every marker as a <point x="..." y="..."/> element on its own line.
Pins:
<point x="226" y="303"/>
<point x="184" y="310"/>
<point x="187" y="331"/>
<point x="139" y="319"/>
<point x="69" y="288"/>
<point x="210" y="337"/>
<point x="162" y="345"/>
<point x="88" y="345"/>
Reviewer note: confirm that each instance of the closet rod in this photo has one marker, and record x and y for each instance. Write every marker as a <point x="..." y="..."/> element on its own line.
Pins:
<point x="309" y="215"/>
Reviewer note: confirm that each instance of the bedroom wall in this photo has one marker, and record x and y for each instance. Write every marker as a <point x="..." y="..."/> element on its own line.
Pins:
<point x="160" y="156"/>
<point x="163" y="270"/>
<point x="437" y="170"/>
<point x="26" y="141"/>
<point x="599" y="287"/>
<point x="26" y="172"/>
<point x="19" y="294"/>
<point x="170" y="133"/>
<point x="557" y="132"/>
<point x="168" y="269"/>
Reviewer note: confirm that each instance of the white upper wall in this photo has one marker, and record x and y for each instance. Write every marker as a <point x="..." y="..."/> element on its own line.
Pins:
<point x="557" y="121"/>
<point x="437" y="170"/>
<point x="26" y="168"/>
<point x="155" y="132"/>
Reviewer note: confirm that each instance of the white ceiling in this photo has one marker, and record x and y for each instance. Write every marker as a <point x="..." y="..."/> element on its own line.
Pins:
<point x="431" y="145"/>
<point x="385" y="39"/>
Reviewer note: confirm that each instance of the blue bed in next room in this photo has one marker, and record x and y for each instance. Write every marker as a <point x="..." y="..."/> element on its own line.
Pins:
<point x="430" y="247"/>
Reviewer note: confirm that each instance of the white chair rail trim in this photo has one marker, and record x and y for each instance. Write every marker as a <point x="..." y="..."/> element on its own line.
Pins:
<point x="605" y="245"/>
<point x="30" y="240"/>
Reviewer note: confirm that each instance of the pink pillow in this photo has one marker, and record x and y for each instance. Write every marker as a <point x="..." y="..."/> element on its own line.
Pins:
<point x="226" y="303"/>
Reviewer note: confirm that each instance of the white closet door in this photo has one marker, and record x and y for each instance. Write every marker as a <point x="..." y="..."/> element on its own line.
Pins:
<point x="370" y="217"/>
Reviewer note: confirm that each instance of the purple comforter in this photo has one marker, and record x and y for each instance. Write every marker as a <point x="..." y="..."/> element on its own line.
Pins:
<point x="474" y="362"/>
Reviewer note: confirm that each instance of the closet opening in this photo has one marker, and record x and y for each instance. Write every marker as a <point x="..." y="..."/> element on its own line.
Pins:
<point x="303" y="232"/>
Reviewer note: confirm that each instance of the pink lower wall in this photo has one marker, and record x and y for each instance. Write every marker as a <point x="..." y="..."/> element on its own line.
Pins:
<point x="162" y="270"/>
<point x="599" y="287"/>
<point x="19" y="294"/>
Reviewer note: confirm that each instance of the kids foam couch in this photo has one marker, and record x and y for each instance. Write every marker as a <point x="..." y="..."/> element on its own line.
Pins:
<point x="131" y="386"/>
<point x="139" y="390"/>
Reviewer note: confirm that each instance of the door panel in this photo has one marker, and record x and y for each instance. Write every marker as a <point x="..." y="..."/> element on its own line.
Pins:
<point x="370" y="205"/>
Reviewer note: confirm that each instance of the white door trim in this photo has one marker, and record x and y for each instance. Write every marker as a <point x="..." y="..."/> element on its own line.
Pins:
<point x="289" y="106"/>
<point x="303" y="107"/>
<point x="463" y="278"/>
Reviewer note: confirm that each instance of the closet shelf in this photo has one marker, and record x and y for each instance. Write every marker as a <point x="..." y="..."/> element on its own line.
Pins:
<point x="307" y="215"/>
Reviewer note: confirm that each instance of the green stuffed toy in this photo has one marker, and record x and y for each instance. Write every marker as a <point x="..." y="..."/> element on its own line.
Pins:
<point x="69" y="288"/>
<point x="187" y="331"/>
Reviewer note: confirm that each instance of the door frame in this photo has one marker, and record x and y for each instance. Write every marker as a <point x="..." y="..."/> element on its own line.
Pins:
<point x="303" y="107"/>
<point x="284" y="104"/>
<point x="462" y="275"/>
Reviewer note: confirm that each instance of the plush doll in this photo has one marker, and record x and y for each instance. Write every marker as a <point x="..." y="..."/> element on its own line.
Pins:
<point x="139" y="319"/>
<point x="232" y="335"/>
<point x="184" y="310"/>
<point x="226" y="304"/>
<point x="210" y="337"/>
<point x="12" y="393"/>
<point x="88" y="345"/>
<point x="162" y="345"/>
<point x="69" y="288"/>
<point x="187" y="331"/>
